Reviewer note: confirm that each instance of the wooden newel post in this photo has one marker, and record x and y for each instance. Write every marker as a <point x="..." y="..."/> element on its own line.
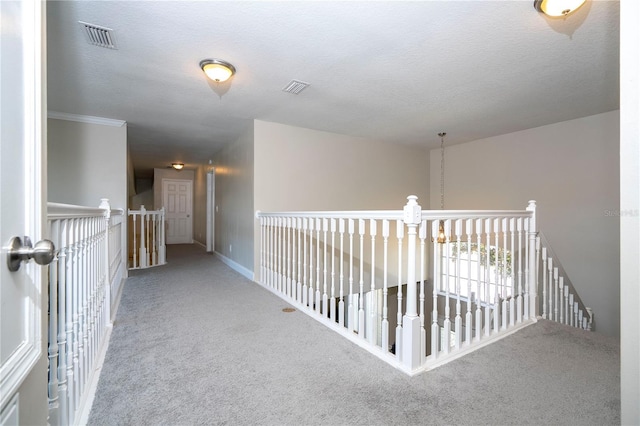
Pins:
<point x="533" y="272"/>
<point x="411" y="320"/>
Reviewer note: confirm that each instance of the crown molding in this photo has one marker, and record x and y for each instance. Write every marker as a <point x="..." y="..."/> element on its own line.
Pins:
<point x="86" y="119"/>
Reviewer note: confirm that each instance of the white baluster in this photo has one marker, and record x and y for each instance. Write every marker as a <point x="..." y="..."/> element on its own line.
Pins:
<point x="332" y="304"/>
<point x="162" y="250"/>
<point x="311" y="270"/>
<point x="351" y="312"/>
<point x="385" y="290"/>
<point x="458" y="318"/>
<point x="360" y="325"/>
<point x="422" y="235"/>
<point x="63" y="388"/>
<point x="341" y="303"/>
<point x="446" y="333"/>
<point x="400" y="237"/>
<point x="556" y="287"/>
<point x="135" y="244"/>
<point x="373" y="229"/>
<point x="576" y="308"/>
<point x="294" y="254"/>
<point x="469" y="317"/>
<point x="305" y="288"/>
<point x="504" y="273"/>
<point x="566" y="304"/>
<point x="532" y="300"/>
<point x="497" y="284"/>
<point x="325" y="297"/>
<point x="544" y="283"/>
<point x="487" y="279"/>
<point x="289" y="254"/>
<point x="53" y="351"/>
<point x="300" y="267"/>
<point x="520" y="297"/>
<point x="479" y="297"/>
<point x="571" y="322"/>
<point x="437" y="284"/>
<point x="143" y="248"/>
<point x="512" y="299"/>
<point x="561" y="290"/>
<point x="318" y="300"/>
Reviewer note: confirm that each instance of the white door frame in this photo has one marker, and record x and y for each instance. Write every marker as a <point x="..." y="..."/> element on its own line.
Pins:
<point x="211" y="217"/>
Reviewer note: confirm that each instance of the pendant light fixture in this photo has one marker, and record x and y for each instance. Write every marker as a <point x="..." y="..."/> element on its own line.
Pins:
<point x="442" y="237"/>
<point x="217" y="70"/>
<point x="557" y="8"/>
<point x="177" y="166"/>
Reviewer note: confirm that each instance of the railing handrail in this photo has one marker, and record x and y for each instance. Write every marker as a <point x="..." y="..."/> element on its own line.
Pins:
<point x="398" y="214"/>
<point x="61" y="211"/>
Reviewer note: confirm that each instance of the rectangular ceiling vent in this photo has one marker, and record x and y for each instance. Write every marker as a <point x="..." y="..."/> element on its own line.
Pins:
<point x="295" y="86"/>
<point x="98" y="36"/>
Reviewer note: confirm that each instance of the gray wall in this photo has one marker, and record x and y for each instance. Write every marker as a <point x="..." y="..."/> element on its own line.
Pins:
<point x="234" y="215"/>
<point x="86" y="162"/>
<point x="302" y="169"/>
<point x="571" y="170"/>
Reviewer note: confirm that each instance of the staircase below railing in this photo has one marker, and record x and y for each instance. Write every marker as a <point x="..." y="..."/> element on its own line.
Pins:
<point x="85" y="280"/>
<point x="147" y="228"/>
<point x="560" y="301"/>
<point x="477" y="266"/>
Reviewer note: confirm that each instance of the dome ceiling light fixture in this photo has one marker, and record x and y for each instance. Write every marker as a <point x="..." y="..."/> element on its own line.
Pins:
<point x="177" y="166"/>
<point x="557" y="8"/>
<point x="217" y="69"/>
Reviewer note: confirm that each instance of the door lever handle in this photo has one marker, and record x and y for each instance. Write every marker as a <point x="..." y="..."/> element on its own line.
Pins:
<point x="43" y="252"/>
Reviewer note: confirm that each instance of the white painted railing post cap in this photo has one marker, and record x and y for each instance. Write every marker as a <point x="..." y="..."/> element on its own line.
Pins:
<point x="258" y="214"/>
<point x="412" y="211"/>
<point x="104" y="203"/>
<point x="532" y="205"/>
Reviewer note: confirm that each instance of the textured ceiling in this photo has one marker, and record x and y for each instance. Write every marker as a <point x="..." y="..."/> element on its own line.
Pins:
<point x="393" y="71"/>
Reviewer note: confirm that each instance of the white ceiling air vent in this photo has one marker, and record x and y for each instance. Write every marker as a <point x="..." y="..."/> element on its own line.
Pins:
<point x="98" y="36"/>
<point x="295" y="86"/>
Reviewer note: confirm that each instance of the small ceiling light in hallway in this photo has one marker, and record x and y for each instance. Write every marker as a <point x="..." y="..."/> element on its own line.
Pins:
<point x="217" y="69"/>
<point x="177" y="166"/>
<point x="557" y="8"/>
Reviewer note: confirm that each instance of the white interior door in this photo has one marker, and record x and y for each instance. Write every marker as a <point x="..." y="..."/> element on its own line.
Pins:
<point x="23" y="377"/>
<point x="176" y="194"/>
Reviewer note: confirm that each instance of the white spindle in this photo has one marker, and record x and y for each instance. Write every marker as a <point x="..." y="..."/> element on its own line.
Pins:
<point x="469" y="317"/>
<point x="332" y="304"/>
<point x="437" y="284"/>
<point x="520" y="296"/>
<point x="556" y="288"/>
<point x="544" y="283"/>
<point x="288" y="225"/>
<point x="373" y="229"/>
<point x="479" y="297"/>
<point x="512" y="299"/>
<point x="53" y="351"/>
<point x="360" y="325"/>
<point x="561" y="291"/>
<point x="385" y="290"/>
<point x="566" y="304"/>
<point x="446" y="333"/>
<point x="305" y="288"/>
<point x="571" y="322"/>
<point x="487" y="284"/>
<point x="341" y="303"/>
<point x="300" y="267"/>
<point x="498" y="284"/>
<point x="135" y="244"/>
<point x="400" y="237"/>
<point x="325" y="297"/>
<point x="505" y="267"/>
<point x="422" y="235"/>
<point x="351" y="312"/>
<point x="458" y="318"/>
<point x="318" y="299"/>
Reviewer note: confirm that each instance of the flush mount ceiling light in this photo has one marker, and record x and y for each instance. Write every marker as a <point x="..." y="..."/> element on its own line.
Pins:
<point x="177" y="166"/>
<point x="217" y="69"/>
<point x="557" y="8"/>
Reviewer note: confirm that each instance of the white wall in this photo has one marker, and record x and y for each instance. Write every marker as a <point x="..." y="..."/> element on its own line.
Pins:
<point x="234" y="213"/>
<point x="571" y="170"/>
<point x="302" y="169"/>
<point x="630" y="202"/>
<point x="86" y="162"/>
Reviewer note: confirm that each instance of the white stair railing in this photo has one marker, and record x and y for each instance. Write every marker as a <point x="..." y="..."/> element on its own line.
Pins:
<point x="477" y="274"/>
<point x="82" y="291"/>
<point x="559" y="299"/>
<point x="148" y="230"/>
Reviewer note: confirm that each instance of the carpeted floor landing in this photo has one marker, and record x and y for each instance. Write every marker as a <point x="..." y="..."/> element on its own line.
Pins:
<point x="195" y="343"/>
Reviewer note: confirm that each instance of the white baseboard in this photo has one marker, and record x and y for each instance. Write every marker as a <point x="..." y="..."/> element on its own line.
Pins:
<point x="196" y="242"/>
<point x="236" y="266"/>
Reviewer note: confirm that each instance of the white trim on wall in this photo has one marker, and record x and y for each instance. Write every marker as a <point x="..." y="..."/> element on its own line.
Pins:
<point x="86" y="119"/>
